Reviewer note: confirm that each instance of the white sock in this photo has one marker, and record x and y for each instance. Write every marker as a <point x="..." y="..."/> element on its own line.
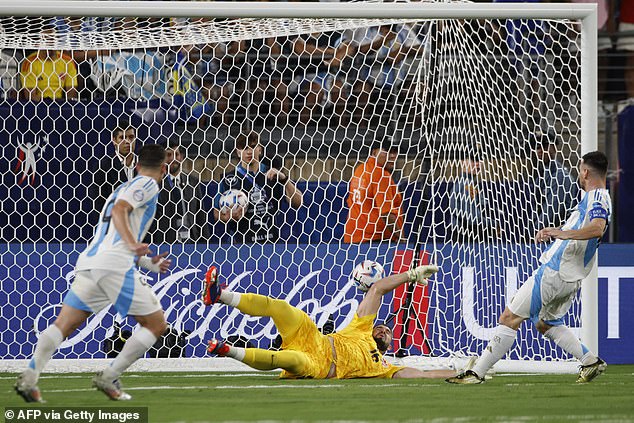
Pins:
<point x="567" y="341"/>
<point x="140" y="341"/>
<point x="229" y="298"/>
<point x="499" y="345"/>
<point x="49" y="341"/>
<point x="237" y="353"/>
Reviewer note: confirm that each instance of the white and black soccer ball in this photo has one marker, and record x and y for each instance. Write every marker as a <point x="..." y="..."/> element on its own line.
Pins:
<point x="233" y="197"/>
<point x="366" y="273"/>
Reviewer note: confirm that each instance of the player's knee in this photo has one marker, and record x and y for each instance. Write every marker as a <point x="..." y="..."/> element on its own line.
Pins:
<point x="155" y="323"/>
<point x="542" y="327"/>
<point x="69" y="320"/>
<point x="159" y="328"/>
<point x="66" y="327"/>
<point x="508" y="318"/>
<point x="292" y="361"/>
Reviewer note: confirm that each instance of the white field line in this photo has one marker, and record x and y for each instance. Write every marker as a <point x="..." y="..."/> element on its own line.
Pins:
<point x="162" y="375"/>
<point x="238" y="387"/>
<point x="227" y="375"/>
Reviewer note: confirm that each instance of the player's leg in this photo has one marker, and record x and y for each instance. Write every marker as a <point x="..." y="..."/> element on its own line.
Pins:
<point x="501" y="342"/>
<point x="558" y="297"/>
<point x="79" y="303"/>
<point x="287" y="318"/>
<point x="130" y="296"/>
<point x="49" y="341"/>
<point x="522" y="306"/>
<point x="292" y="361"/>
<point x="152" y="327"/>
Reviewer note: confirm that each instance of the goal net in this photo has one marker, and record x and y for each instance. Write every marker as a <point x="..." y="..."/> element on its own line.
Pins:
<point x="482" y="117"/>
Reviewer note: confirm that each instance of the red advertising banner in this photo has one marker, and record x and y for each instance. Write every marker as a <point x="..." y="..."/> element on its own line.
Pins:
<point x="417" y="328"/>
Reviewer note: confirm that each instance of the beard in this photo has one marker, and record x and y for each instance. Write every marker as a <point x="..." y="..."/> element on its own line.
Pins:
<point x="175" y="168"/>
<point x="381" y="345"/>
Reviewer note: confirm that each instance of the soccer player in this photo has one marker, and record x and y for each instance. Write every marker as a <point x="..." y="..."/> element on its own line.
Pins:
<point x="105" y="274"/>
<point x="547" y="295"/>
<point x="354" y="352"/>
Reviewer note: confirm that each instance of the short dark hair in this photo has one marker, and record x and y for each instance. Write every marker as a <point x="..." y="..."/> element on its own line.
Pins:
<point x="152" y="156"/>
<point x="122" y="126"/>
<point x="597" y="161"/>
<point x="252" y="139"/>
<point x="376" y="325"/>
<point x="386" y="144"/>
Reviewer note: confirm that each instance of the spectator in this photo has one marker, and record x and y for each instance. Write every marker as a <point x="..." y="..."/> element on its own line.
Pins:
<point x="48" y="74"/>
<point x="321" y="83"/>
<point x="384" y="68"/>
<point x="607" y="25"/>
<point x="527" y="43"/>
<point x="265" y="189"/>
<point x="626" y="43"/>
<point x="470" y="208"/>
<point x="115" y="169"/>
<point x="390" y="45"/>
<point x="557" y="192"/>
<point x="207" y="72"/>
<point x="71" y="29"/>
<point x="271" y="65"/>
<point x="374" y="200"/>
<point x="181" y="217"/>
<point x="9" y="79"/>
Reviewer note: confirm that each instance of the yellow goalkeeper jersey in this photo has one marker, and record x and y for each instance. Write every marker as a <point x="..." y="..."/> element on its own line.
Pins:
<point x="357" y="353"/>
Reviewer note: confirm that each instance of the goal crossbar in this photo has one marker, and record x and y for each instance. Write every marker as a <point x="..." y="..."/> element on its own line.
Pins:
<point x="298" y="10"/>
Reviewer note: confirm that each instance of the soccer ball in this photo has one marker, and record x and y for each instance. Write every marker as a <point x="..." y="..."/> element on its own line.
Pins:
<point x="366" y="273"/>
<point x="233" y="197"/>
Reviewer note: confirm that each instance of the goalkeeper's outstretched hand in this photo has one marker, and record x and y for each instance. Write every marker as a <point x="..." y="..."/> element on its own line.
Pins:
<point x="421" y="274"/>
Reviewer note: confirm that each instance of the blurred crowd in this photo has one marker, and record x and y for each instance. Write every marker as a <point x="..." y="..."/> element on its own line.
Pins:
<point x="337" y="72"/>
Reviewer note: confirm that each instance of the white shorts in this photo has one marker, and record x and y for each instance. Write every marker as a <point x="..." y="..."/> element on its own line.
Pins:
<point x="544" y="296"/>
<point x="625" y="43"/>
<point x="93" y="290"/>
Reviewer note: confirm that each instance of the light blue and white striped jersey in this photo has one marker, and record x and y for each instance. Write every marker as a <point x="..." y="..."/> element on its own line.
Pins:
<point x="573" y="259"/>
<point x="106" y="249"/>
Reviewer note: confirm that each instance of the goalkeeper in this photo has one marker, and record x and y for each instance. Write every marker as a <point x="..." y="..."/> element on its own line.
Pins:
<point x="354" y="352"/>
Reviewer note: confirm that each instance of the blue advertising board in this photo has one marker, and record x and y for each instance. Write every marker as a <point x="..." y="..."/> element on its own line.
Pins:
<point x="464" y="301"/>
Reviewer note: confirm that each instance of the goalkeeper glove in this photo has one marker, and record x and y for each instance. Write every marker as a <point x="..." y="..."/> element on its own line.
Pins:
<point x="421" y="274"/>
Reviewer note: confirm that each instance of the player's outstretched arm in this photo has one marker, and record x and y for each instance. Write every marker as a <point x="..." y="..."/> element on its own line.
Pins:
<point x="372" y="300"/>
<point x="593" y="230"/>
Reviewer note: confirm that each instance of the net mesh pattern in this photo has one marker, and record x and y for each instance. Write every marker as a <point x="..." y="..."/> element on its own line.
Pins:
<point x="470" y="107"/>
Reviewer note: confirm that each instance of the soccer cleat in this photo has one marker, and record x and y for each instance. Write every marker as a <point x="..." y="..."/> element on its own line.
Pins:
<point x="212" y="290"/>
<point x="589" y="372"/>
<point x="471" y="364"/>
<point x="112" y="388"/>
<point x="469" y="377"/>
<point x="26" y="387"/>
<point x="218" y="347"/>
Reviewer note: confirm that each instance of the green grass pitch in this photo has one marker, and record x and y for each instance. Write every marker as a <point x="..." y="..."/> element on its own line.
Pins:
<point x="248" y="397"/>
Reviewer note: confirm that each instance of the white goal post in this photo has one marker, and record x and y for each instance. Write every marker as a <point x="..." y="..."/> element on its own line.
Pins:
<point x="445" y="62"/>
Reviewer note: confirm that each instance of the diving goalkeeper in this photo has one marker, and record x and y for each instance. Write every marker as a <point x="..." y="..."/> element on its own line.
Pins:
<point x="354" y="352"/>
